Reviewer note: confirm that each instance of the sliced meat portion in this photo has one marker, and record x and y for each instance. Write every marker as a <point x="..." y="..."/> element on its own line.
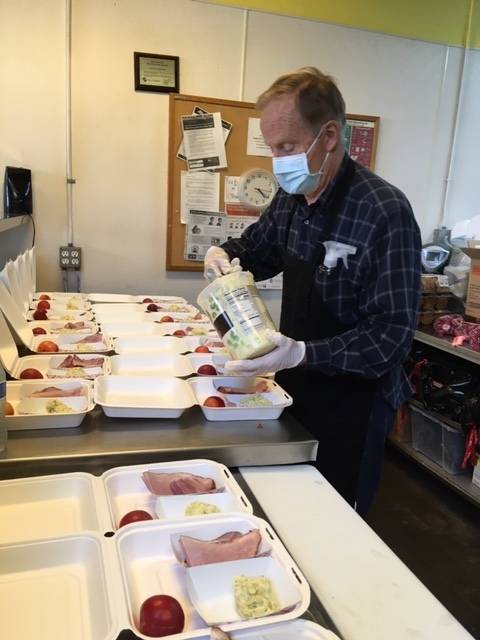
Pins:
<point x="75" y="325"/>
<point x="261" y="386"/>
<point x="77" y="361"/>
<point x="168" y="484"/>
<point x="95" y="337"/>
<point x="55" y="392"/>
<point x="231" y="546"/>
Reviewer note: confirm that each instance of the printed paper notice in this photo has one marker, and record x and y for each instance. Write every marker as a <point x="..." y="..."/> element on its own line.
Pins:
<point x="256" y="145"/>
<point x="226" y="128"/>
<point x="204" y="229"/>
<point x="203" y="142"/>
<point x="236" y="225"/>
<point x="199" y="190"/>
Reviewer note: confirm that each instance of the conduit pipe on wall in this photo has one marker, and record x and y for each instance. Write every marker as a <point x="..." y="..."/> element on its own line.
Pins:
<point x="243" y="55"/>
<point x="458" y="110"/>
<point x="68" y="118"/>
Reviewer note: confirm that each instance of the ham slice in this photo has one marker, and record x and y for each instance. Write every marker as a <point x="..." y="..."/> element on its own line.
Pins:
<point x="261" y="386"/>
<point x="77" y="361"/>
<point x="95" y="337"/>
<point x="75" y="325"/>
<point x="168" y="484"/>
<point x="55" y="392"/>
<point x="226" y="548"/>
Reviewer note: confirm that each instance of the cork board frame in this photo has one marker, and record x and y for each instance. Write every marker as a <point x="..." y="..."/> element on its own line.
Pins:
<point x="238" y="161"/>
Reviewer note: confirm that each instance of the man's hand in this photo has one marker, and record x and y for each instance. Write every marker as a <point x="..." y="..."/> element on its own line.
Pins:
<point x="287" y="354"/>
<point x="217" y="263"/>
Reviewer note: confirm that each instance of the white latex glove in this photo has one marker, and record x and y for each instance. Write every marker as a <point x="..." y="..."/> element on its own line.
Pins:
<point x="288" y="354"/>
<point x="217" y="263"/>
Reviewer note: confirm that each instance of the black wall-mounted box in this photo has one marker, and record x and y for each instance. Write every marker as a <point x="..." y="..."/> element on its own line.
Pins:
<point x="17" y="192"/>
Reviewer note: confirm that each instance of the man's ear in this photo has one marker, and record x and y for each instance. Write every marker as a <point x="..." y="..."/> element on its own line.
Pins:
<point x="333" y="135"/>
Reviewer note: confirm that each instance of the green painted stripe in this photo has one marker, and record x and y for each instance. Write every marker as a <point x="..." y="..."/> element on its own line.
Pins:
<point x="442" y="21"/>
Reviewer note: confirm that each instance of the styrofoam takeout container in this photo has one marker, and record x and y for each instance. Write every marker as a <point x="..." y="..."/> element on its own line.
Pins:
<point x="164" y="344"/>
<point x="64" y="305"/>
<point x="121" y="329"/>
<point x="67" y="315"/>
<point x="142" y="396"/>
<point x="125" y="490"/>
<point x="203" y="387"/>
<point x="30" y="413"/>
<point x="164" y="364"/>
<point x="125" y="298"/>
<point x="61" y="296"/>
<point x="148" y="565"/>
<point x="82" y="586"/>
<point x="55" y="327"/>
<point x="39" y="507"/>
<point x="71" y="343"/>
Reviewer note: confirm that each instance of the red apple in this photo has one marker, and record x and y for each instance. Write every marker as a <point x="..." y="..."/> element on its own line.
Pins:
<point x="47" y="346"/>
<point x="40" y="314"/>
<point x="44" y="297"/>
<point x="166" y="319"/>
<point x="28" y="374"/>
<point x="214" y="401"/>
<point x="145" y="300"/>
<point x="43" y="305"/>
<point x="161" y="616"/>
<point x="135" y="516"/>
<point x="202" y="349"/>
<point x="9" y="409"/>
<point x="207" y="370"/>
<point x="152" y="307"/>
<point x="38" y="331"/>
<point x="179" y="333"/>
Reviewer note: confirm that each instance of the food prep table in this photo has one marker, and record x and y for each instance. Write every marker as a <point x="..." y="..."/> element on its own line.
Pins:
<point x="100" y="443"/>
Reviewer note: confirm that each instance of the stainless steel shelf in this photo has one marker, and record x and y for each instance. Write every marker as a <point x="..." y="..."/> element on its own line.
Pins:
<point x="428" y="337"/>
<point x="10" y="223"/>
<point x="462" y="483"/>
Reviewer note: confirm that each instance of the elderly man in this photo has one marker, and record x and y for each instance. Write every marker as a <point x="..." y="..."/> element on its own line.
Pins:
<point x="349" y="248"/>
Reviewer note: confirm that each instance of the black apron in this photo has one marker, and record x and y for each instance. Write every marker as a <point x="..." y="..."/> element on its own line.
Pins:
<point x="335" y="409"/>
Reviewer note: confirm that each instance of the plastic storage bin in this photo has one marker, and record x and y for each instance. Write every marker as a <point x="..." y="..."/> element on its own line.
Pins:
<point x="442" y="443"/>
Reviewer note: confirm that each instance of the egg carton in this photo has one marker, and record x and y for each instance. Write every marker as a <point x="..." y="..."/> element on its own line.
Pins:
<point x="32" y="412"/>
<point x="123" y="396"/>
<point x="81" y="584"/>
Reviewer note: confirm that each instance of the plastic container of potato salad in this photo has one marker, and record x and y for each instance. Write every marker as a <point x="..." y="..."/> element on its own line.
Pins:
<point x="239" y="315"/>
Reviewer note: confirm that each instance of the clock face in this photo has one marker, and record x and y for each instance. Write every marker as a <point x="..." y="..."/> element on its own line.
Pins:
<point x="257" y="188"/>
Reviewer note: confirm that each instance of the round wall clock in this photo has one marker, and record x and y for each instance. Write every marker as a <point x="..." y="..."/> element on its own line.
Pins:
<point x="257" y="188"/>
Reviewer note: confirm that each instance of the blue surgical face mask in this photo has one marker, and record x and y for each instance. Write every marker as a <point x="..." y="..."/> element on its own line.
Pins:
<point x="293" y="173"/>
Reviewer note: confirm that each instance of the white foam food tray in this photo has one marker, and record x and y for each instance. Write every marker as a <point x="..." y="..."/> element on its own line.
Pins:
<point x="164" y="344"/>
<point x="44" y="506"/>
<point x="51" y="326"/>
<point x="125" y="490"/>
<point x="71" y="343"/>
<point x="142" y="396"/>
<point x="118" y="329"/>
<point x="64" y="305"/>
<point x="125" y="298"/>
<point x="67" y="315"/>
<point x="139" y="308"/>
<point x="148" y="566"/>
<point x="164" y="364"/>
<point x="47" y="365"/>
<point x="204" y="387"/>
<point x="61" y="296"/>
<point x="32" y="413"/>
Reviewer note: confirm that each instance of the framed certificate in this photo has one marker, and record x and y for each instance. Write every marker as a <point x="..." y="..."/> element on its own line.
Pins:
<point x="154" y="72"/>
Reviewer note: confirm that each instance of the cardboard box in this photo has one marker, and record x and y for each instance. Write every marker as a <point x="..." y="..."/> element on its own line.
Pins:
<point x="472" y="307"/>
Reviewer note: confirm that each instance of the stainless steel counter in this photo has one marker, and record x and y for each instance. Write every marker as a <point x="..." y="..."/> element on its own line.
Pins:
<point x="101" y="442"/>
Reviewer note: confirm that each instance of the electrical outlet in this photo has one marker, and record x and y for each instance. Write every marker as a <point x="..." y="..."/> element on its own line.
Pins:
<point x="70" y="257"/>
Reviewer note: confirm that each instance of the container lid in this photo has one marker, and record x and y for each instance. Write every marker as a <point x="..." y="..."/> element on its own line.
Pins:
<point x="8" y="348"/>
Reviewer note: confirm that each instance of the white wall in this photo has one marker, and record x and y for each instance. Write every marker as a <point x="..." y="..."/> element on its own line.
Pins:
<point x="120" y="136"/>
<point x="464" y="196"/>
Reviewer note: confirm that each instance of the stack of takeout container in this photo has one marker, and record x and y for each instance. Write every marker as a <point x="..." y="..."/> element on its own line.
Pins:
<point x="61" y="553"/>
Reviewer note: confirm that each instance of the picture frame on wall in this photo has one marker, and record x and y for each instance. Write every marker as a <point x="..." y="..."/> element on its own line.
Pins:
<point x="156" y="72"/>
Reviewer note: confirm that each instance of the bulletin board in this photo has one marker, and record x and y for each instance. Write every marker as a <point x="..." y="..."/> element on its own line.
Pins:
<point x="237" y="113"/>
<point x="361" y="139"/>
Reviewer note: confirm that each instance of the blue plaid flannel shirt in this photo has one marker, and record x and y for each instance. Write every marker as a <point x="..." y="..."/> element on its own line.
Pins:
<point x="377" y="293"/>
